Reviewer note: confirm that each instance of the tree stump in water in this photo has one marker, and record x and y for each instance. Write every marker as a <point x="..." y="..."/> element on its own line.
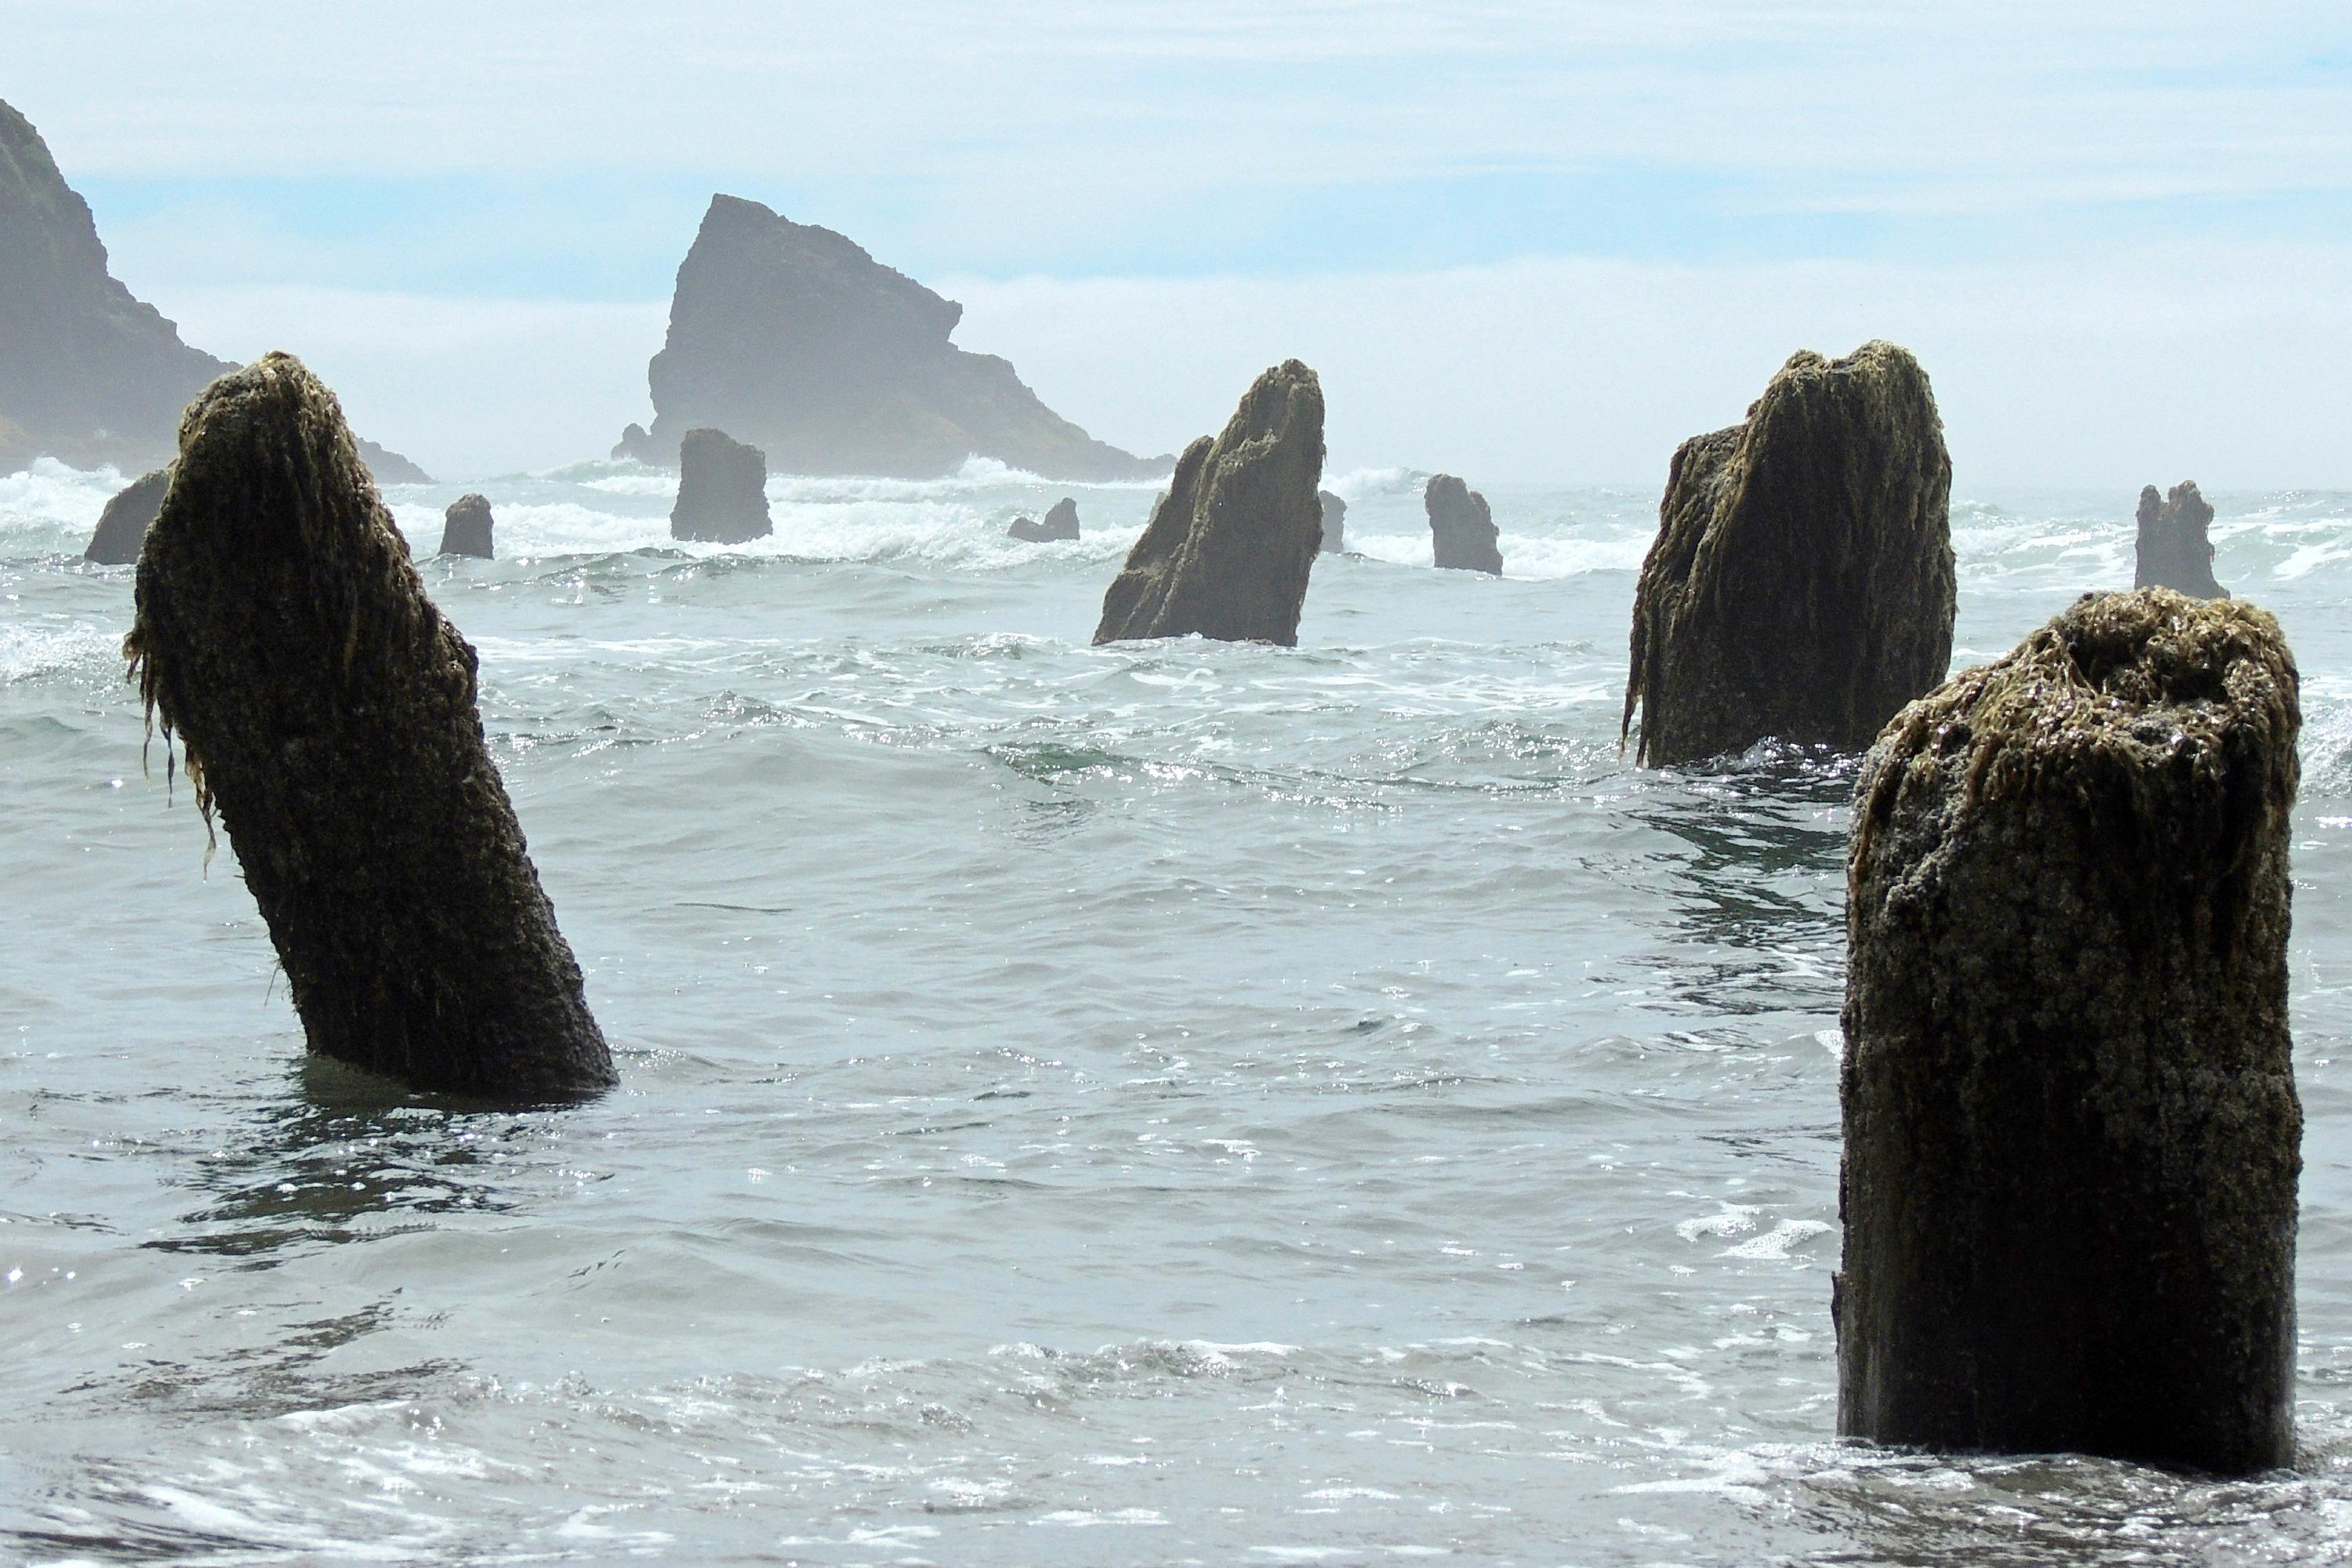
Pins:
<point x="2174" y="550"/>
<point x="326" y="712"/>
<point x="2072" y="1134"/>
<point x="1802" y="583"/>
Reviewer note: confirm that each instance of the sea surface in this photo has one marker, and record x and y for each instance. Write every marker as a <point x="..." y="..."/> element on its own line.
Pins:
<point x="1169" y="1104"/>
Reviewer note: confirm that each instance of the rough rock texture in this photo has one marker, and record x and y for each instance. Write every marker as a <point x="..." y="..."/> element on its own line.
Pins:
<point x="1229" y="547"/>
<point x="794" y="338"/>
<point x="466" y="527"/>
<point x="1462" y="532"/>
<point x="1802" y="584"/>
<point x="326" y="712"/>
<point x="2072" y="1132"/>
<point x="722" y="490"/>
<point x="1335" y="522"/>
<point x="124" y="523"/>
<point x="2173" y="549"/>
<point x="88" y="374"/>
<point x="1061" y="523"/>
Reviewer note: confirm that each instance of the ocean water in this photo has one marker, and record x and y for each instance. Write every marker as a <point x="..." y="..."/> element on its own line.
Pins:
<point x="1171" y="1103"/>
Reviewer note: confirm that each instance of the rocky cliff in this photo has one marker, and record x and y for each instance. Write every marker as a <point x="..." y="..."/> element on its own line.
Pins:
<point x="793" y="338"/>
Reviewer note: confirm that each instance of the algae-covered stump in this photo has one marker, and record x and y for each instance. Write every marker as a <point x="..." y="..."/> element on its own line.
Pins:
<point x="466" y="526"/>
<point x="1462" y="532"/>
<point x="1229" y="547"/>
<point x="2071" y="1126"/>
<point x="722" y="490"/>
<point x="1802" y="583"/>
<point x="123" y="525"/>
<point x="2174" y="550"/>
<point x="1335" y="522"/>
<point x="326" y="712"/>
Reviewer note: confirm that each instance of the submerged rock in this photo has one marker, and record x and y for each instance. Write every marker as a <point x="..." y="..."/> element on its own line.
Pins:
<point x="2072" y="1131"/>
<point x="2174" y="551"/>
<point x="722" y="490"/>
<point x="1802" y="583"/>
<point x="1229" y="547"/>
<point x="1462" y="532"/>
<point x="1061" y="523"/>
<point x="466" y="527"/>
<point x="1335" y="522"/>
<point x="794" y="337"/>
<point x="326" y="712"/>
<point x="124" y="523"/>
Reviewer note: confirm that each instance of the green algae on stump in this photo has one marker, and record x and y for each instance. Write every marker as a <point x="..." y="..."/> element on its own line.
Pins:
<point x="2072" y="1134"/>
<point x="1230" y="545"/>
<point x="1802" y="584"/>
<point x="2172" y="548"/>
<point x="327" y="714"/>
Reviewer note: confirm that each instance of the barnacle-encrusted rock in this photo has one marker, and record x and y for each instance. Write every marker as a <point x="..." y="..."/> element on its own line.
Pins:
<point x="1229" y="547"/>
<point x="722" y="490"/>
<point x="1801" y="582"/>
<point x="1335" y="522"/>
<point x="124" y="523"/>
<point x="1462" y="532"/>
<point x="466" y="527"/>
<point x="2072" y="1132"/>
<point x="326" y="712"/>
<point x="2174" y="551"/>
<point x="1061" y="522"/>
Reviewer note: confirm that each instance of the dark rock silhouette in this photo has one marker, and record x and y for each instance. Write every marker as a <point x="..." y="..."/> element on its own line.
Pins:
<point x="2072" y="1131"/>
<point x="722" y="490"/>
<point x="794" y="337"/>
<point x="1229" y="548"/>
<point x="1802" y="583"/>
<point x="2174" y="551"/>
<point x="635" y="444"/>
<point x="1335" y="522"/>
<point x="1462" y="532"/>
<point x="326" y="712"/>
<point x="466" y="527"/>
<point x="88" y="374"/>
<point x="124" y="523"/>
<point x="1061" y="523"/>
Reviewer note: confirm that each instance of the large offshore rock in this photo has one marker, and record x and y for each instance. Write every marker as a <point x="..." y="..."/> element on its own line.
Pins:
<point x="722" y="490"/>
<point x="124" y="523"/>
<point x="1462" y="532"/>
<point x="326" y="712"/>
<point x="2174" y="551"/>
<point x="794" y="338"/>
<point x="1335" y="522"/>
<point x="1061" y="522"/>
<point x="2072" y="1131"/>
<point x="467" y="527"/>
<point x="88" y="374"/>
<point x="1228" y="550"/>
<point x="1802" y="583"/>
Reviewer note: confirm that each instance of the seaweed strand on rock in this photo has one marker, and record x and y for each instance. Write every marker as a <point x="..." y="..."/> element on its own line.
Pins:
<point x="326" y="712"/>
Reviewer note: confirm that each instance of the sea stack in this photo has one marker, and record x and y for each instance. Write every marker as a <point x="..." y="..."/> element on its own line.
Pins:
<point x="722" y="490"/>
<point x="1061" y="523"/>
<point x="1335" y="522"/>
<point x="466" y="527"/>
<point x="326" y="712"/>
<point x="633" y="445"/>
<point x="124" y="523"/>
<point x="1802" y="583"/>
<point x="2072" y="1134"/>
<point x="1462" y="532"/>
<point x="2174" y="551"/>
<point x="1228" y="548"/>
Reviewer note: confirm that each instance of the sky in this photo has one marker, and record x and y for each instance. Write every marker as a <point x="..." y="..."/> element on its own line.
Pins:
<point x="1529" y="242"/>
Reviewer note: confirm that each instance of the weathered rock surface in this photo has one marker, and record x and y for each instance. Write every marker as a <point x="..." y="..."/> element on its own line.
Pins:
<point x="326" y="712"/>
<point x="88" y="374"/>
<point x="1061" y="522"/>
<point x="1335" y="522"/>
<point x="2174" y="551"/>
<point x="466" y="527"/>
<point x="722" y="490"/>
<point x="1462" y="532"/>
<point x="2072" y="1133"/>
<point x="792" y="337"/>
<point x="1802" y="583"/>
<point x="1228" y="548"/>
<point x="124" y="523"/>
